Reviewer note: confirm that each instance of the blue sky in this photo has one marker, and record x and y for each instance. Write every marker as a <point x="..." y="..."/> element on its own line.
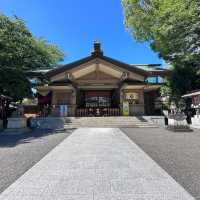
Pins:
<point x="75" y="24"/>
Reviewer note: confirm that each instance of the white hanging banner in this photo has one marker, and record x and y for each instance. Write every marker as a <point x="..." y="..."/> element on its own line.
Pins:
<point x="63" y="110"/>
<point x="66" y="111"/>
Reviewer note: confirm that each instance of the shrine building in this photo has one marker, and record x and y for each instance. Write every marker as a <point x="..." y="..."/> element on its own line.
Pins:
<point x="98" y="85"/>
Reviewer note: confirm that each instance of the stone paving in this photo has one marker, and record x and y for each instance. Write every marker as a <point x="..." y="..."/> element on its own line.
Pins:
<point x="96" y="164"/>
<point x="18" y="153"/>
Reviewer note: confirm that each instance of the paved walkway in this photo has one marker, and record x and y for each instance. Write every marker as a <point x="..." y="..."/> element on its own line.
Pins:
<point x="177" y="153"/>
<point x="96" y="164"/>
<point x="18" y="153"/>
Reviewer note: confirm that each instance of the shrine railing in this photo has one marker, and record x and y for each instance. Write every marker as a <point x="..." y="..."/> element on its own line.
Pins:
<point x="97" y="112"/>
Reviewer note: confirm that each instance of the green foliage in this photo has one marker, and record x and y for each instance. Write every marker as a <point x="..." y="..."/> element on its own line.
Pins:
<point x="173" y="29"/>
<point x="14" y="83"/>
<point x="20" y="52"/>
<point x="166" y="89"/>
<point x="19" y="49"/>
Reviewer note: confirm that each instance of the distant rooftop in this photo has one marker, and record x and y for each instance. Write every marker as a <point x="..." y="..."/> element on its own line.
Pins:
<point x="149" y="67"/>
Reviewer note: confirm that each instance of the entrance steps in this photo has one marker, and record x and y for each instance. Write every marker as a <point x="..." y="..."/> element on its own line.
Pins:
<point x="108" y="122"/>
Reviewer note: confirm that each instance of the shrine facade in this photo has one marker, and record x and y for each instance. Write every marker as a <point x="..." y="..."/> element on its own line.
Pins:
<point x="98" y="85"/>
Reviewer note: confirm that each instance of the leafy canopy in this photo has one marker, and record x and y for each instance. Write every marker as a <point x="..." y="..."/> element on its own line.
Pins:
<point x="14" y="83"/>
<point x="19" y="49"/>
<point x="171" y="26"/>
<point x="173" y="29"/>
<point x="20" y="52"/>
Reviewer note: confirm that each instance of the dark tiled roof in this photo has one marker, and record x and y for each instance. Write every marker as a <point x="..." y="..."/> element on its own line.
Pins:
<point x="125" y="66"/>
<point x="68" y="66"/>
<point x="135" y="82"/>
<point x="60" y="83"/>
<point x="90" y="58"/>
<point x="144" y="70"/>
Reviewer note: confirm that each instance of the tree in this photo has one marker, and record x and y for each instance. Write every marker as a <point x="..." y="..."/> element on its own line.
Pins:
<point x="173" y="29"/>
<point x="20" y="52"/>
<point x="14" y="83"/>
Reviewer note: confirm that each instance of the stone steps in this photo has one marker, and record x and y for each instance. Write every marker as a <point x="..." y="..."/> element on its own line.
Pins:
<point x="108" y="126"/>
<point x="111" y="122"/>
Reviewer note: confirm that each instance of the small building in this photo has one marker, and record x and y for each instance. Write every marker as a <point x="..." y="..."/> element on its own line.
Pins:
<point x="98" y="85"/>
<point x="194" y="99"/>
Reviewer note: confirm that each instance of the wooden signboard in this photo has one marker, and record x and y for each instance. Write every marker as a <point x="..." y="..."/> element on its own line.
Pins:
<point x="132" y="96"/>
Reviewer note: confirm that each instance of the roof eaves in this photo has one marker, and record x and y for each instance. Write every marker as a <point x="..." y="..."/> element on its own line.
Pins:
<point x="125" y="65"/>
<point x="68" y="66"/>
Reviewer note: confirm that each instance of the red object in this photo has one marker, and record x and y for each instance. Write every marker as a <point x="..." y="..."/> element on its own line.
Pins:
<point x="44" y="100"/>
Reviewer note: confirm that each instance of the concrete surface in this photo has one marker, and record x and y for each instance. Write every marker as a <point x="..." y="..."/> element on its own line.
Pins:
<point x="18" y="153"/>
<point x="96" y="164"/>
<point x="176" y="152"/>
<point x="158" y="120"/>
<point x="48" y="122"/>
<point x="17" y="123"/>
<point x="108" y="122"/>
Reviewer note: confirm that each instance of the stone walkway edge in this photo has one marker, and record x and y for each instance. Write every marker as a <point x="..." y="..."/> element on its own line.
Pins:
<point x="96" y="164"/>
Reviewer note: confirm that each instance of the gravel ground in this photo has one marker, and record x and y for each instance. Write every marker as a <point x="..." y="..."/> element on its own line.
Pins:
<point x="177" y="153"/>
<point x="18" y="153"/>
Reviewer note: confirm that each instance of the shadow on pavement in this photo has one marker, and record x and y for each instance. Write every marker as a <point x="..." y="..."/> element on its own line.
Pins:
<point x="14" y="140"/>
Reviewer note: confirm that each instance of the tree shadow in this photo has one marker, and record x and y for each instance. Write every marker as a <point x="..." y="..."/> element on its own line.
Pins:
<point x="7" y="140"/>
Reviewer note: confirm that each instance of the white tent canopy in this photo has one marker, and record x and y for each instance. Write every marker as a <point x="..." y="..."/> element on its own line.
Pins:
<point x="191" y="94"/>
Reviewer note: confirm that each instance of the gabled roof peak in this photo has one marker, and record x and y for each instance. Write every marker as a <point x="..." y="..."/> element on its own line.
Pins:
<point x="97" y="53"/>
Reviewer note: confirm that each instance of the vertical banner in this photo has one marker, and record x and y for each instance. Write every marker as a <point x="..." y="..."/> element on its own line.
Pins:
<point x="126" y="111"/>
<point x="66" y="110"/>
<point x="62" y="110"/>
